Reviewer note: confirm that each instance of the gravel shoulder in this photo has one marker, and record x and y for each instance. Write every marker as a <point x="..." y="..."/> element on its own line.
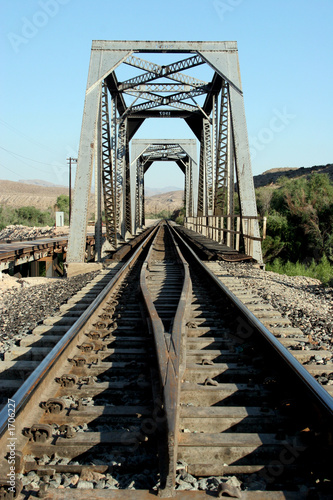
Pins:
<point x="26" y="302"/>
<point x="305" y="301"/>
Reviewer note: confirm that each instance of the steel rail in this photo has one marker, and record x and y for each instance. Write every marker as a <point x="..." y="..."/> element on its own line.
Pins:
<point x="324" y="398"/>
<point x="156" y="322"/>
<point x="171" y="355"/>
<point x="25" y="392"/>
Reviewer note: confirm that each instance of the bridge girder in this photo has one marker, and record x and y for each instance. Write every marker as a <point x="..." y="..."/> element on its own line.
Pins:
<point x="218" y="124"/>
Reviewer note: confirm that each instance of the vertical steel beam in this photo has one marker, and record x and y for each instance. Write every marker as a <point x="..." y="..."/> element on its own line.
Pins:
<point x="128" y="198"/>
<point x="138" y="208"/>
<point x="141" y="200"/>
<point x="221" y="179"/>
<point x="187" y="190"/>
<point x="209" y="166"/>
<point x="143" y="213"/>
<point x="214" y="141"/>
<point x="230" y="167"/>
<point x="98" y="189"/>
<point x="107" y="169"/>
<point x="202" y="200"/>
<point x="78" y="229"/>
<point x="121" y="177"/>
<point x="189" y="175"/>
<point x="243" y="168"/>
<point x="226" y="64"/>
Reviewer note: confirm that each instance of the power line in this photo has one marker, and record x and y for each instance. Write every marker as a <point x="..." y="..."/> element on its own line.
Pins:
<point x="30" y="139"/>
<point x="30" y="159"/>
<point x="12" y="171"/>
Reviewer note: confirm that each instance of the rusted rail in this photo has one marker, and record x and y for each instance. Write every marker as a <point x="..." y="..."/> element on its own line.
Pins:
<point x="170" y="349"/>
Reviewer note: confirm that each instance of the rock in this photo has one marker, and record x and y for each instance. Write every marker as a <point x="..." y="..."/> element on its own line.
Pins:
<point x="75" y="479"/>
<point x="182" y="485"/>
<point x="89" y="475"/>
<point x="111" y="482"/>
<point x="100" y="484"/>
<point x="202" y="484"/>
<point x="85" y="485"/>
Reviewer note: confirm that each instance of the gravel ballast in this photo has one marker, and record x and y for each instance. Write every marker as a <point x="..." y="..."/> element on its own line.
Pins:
<point x="22" y="309"/>
<point x="305" y="301"/>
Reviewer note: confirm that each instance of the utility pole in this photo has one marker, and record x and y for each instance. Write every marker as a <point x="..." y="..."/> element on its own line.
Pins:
<point x="70" y="161"/>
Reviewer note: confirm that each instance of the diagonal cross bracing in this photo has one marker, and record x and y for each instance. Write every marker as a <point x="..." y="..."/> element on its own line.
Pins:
<point x="168" y="100"/>
<point x="157" y="98"/>
<point x="162" y="71"/>
<point x="164" y="87"/>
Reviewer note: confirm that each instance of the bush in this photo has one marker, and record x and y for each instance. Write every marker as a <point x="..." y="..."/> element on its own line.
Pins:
<point x="31" y="216"/>
<point x="63" y="206"/>
<point x="322" y="271"/>
<point x="26" y="216"/>
<point x="301" y="216"/>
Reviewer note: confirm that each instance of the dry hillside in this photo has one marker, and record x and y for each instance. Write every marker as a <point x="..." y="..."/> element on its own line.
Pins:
<point x="164" y="201"/>
<point x="21" y="194"/>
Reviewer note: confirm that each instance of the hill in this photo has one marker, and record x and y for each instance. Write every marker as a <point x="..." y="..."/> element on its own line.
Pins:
<point x="271" y="176"/>
<point x="18" y="194"/>
<point x="22" y="194"/>
<point x="39" y="182"/>
<point x="165" y="201"/>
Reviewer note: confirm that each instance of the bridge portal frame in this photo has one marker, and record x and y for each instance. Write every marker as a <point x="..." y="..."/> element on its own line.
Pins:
<point x="144" y="153"/>
<point x="222" y="132"/>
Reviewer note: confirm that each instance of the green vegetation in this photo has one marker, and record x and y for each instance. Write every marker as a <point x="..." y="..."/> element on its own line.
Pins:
<point x="177" y="215"/>
<point x="299" y="226"/>
<point x="31" y="216"/>
<point x="323" y="270"/>
<point x="164" y="214"/>
<point x="25" y="216"/>
<point x="63" y="206"/>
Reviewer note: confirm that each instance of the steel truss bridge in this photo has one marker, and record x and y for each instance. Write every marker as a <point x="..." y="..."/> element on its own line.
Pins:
<point x="114" y="110"/>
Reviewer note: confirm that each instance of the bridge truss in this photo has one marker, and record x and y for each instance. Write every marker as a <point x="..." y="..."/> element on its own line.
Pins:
<point x="145" y="152"/>
<point x="114" y="110"/>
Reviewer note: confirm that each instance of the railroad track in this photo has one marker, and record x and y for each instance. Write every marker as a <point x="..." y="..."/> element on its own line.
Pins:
<point x="166" y="383"/>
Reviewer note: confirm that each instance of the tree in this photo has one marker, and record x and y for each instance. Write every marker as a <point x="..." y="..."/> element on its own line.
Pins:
<point x="301" y="217"/>
<point x="63" y="206"/>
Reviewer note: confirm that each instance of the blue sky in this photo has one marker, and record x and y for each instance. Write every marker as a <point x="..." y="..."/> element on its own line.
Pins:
<point x="285" y="52"/>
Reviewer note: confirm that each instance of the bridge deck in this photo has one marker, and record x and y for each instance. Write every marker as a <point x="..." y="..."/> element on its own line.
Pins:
<point x="211" y="248"/>
<point x="14" y="253"/>
<point x="15" y="248"/>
